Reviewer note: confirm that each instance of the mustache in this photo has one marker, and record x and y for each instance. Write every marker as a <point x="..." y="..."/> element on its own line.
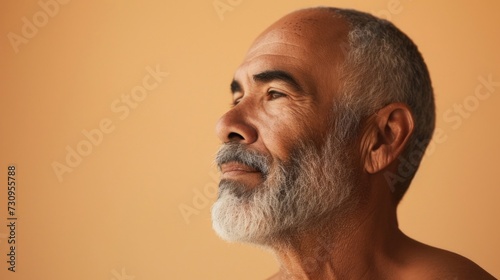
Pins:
<point x="236" y="152"/>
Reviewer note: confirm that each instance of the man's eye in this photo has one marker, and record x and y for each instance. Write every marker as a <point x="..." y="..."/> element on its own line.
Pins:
<point x="275" y="94"/>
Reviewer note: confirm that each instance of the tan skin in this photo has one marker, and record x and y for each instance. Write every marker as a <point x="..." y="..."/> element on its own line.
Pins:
<point x="269" y="113"/>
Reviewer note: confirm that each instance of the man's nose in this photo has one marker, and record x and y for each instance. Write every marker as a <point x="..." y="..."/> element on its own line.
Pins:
<point x="234" y="126"/>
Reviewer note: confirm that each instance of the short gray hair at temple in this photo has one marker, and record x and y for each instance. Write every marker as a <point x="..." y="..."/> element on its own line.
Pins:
<point x="382" y="66"/>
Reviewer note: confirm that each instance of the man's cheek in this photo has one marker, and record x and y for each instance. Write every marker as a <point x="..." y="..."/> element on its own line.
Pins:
<point x="280" y="128"/>
<point x="280" y="145"/>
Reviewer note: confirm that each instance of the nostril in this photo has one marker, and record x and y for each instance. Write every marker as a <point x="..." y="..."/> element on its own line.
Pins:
<point x="233" y="136"/>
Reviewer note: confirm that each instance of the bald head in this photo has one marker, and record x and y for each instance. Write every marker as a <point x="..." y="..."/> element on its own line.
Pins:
<point x="321" y="31"/>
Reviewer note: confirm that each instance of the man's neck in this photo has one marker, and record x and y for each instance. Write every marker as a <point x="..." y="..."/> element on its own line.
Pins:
<point x="351" y="247"/>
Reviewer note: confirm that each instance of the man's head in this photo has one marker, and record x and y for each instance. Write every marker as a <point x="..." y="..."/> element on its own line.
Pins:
<point x="325" y="102"/>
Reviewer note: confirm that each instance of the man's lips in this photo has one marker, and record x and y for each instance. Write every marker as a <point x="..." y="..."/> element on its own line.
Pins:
<point x="236" y="168"/>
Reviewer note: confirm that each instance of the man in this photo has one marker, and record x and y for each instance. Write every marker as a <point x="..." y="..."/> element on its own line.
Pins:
<point x="332" y="111"/>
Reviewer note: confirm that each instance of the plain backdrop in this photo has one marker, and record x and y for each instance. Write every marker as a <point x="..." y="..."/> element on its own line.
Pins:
<point x="115" y="165"/>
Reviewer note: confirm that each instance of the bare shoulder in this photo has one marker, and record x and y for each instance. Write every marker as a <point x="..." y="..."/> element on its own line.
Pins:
<point x="428" y="262"/>
<point x="423" y="262"/>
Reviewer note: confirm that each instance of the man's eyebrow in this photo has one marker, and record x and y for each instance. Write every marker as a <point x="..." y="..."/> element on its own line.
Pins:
<point x="268" y="76"/>
<point x="280" y="75"/>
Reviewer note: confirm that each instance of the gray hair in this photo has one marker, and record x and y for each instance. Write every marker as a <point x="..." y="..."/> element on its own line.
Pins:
<point x="383" y="66"/>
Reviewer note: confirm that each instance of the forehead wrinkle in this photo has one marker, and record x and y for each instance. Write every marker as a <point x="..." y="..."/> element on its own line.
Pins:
<point x="273" y="43"/>
<point x="278" y="55"/>
<point x="277" y="36"/>
<point x="276" y="44"/>
<point x="320" y="43"/>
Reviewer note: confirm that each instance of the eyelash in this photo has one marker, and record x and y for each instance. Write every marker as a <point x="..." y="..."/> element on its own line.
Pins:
<point x="272" y="95"/>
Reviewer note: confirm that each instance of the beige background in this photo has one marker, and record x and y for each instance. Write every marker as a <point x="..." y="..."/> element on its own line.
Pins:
<point x="118" y="214"/>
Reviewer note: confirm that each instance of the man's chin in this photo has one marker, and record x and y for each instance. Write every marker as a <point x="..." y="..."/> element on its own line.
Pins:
<point x="234" y="220"/>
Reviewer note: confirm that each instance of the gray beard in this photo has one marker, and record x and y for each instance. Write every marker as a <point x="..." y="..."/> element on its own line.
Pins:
<point x="295" y="195"/>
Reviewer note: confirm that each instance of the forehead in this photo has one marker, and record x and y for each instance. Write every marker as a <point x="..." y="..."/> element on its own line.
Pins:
<point x="314" y="29"/>
<point x="307" y="43"/>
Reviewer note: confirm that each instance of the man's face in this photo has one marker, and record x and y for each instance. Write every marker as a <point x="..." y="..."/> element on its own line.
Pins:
<point x="279" y="135"/>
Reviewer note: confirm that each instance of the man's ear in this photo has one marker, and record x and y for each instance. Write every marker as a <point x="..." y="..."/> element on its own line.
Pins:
<point x="388" y="133"/>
